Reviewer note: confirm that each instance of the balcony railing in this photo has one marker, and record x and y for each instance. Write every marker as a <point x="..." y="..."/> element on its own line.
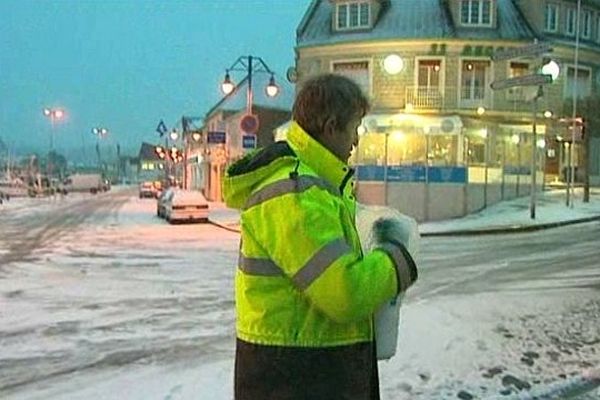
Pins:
<point x="452" y="98"/>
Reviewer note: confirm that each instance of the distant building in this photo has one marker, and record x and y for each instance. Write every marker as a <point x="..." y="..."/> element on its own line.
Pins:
<point x="439" y="142"/>
<point x="223" y="140"/>
<point x="150" y="166"/>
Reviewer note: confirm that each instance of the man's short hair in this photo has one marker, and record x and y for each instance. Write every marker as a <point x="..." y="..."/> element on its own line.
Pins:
<point x="328" y="96"/>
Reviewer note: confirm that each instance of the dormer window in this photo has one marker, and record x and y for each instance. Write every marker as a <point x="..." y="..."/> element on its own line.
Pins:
<point x="353" y="15"/>
<point x="476" y="12"/>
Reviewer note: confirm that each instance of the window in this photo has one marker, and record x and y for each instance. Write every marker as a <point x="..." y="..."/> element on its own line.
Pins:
<point x="582" y="86"/>
<point x="586" y="24"/>
<point x="429" y="86"/>
<point x="358" y="71"/>
<point x="551" y="18"/>
<point x="473" y="79"/>
<point x="476" y="12"/>
<point x="570" y="21"/>
<point x="517" y="69"/>
<point x="598" y="29"/>
<point x="353" y="15"/>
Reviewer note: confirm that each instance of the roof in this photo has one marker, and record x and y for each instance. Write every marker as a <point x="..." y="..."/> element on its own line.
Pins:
<point x="410" y="19"/>
<point x="147" y="152"/>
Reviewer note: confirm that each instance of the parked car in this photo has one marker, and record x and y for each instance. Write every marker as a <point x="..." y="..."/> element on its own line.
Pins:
<point x="165" y="196"/>
<point x="147" y="190"/>
<point x="186" y="206"/>
<point x="92" y="183"/>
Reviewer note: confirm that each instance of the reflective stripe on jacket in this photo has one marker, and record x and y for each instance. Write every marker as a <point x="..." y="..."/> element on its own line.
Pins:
<point x="302" y="279"/>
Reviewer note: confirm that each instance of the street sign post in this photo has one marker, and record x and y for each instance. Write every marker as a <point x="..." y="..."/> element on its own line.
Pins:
<point x="531" y="50"/>
<point x="525" y="80"/>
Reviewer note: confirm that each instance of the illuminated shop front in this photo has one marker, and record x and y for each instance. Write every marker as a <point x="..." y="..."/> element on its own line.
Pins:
<point x="437" y="167"/>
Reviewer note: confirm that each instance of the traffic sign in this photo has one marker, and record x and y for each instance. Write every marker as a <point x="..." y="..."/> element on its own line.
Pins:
<point x="525" y="80"/>
<point x="249" y="123"/>
<point x="535" y="49"/>
<point x="249" y="141"/>
<point x="216" y="137"/>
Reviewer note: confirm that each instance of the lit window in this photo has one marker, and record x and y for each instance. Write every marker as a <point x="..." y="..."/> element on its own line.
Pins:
<point x="353" y="15"/>
<point x="570" y="21"/>
<point x="473" y="79"/>
<point x="551" y="18"/>
<point x="476" y="12"/>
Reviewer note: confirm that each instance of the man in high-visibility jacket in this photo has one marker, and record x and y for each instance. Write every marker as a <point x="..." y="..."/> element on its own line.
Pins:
<point x="305" y="292"/>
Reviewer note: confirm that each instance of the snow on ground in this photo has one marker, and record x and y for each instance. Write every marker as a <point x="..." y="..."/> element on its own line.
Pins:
<point x="550" y="207"/>
<point x="134" y="308"/>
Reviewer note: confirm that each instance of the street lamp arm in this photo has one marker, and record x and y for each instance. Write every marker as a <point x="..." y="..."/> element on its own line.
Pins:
<point x="243" y="64"/>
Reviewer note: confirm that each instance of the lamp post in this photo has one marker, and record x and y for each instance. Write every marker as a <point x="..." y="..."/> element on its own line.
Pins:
<point x="100" y="133"/>
<point x="250" y="65"/>
<point x="55" y="114"/>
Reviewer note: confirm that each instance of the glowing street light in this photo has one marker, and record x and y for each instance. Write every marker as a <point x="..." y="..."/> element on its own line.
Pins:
<point x="250" y="65"/>
<point x="174" y="135"/>
<point x="393" y="64"/>
<point x="551" y="68"/>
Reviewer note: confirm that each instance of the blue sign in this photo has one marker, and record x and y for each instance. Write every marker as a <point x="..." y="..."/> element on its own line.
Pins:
<point x="447" y="175"/>
<point x="397" y="173"/>
<point x="249" y="141"/>
<point x="216" y="137"/>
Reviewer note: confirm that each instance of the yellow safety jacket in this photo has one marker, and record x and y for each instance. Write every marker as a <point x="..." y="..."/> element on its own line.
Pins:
<point x="302" y="279"/>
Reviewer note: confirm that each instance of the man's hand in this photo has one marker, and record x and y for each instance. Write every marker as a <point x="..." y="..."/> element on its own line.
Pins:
<point x="397" y="236"/>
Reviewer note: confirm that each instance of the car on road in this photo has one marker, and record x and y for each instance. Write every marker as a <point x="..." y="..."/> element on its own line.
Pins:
<point x="147" y="190"/>
<point x="165" y="196"/>
<point x="186" y="206"/>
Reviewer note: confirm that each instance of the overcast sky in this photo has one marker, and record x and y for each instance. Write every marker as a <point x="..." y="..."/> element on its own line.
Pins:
<point x="126" y="64"/>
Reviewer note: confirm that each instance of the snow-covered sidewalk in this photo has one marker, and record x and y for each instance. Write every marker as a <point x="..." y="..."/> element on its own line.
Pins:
<point x="550" y="208"/>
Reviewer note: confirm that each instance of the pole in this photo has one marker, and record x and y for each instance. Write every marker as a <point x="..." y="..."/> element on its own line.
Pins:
<point x="534" y="155"/>
<point x="249" y="93"/>
<point x="586" y="162"/>
<point x="385" y="170"/>
<point x="49" y="161"/>
<point x="571" y="183"/>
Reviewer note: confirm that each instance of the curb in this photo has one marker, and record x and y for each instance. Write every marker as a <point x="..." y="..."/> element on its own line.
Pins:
<point x="510" y="229"/>
<point x="472" y="232"/>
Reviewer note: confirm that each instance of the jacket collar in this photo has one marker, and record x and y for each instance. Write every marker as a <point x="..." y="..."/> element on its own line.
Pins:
<point x="317" y="157"/>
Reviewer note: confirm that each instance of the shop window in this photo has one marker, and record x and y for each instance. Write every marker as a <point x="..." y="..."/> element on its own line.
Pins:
<point x="551" y="18"/>
<point x="443" y="150"/>
<point x="358" y="71"/>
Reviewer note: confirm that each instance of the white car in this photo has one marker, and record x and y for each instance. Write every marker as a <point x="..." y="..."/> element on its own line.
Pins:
<point x="186" y="206"/>
<point x="161" y="202"/>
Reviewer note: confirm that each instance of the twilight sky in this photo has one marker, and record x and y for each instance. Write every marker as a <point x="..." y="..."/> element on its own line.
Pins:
<point x="126" y="64"/>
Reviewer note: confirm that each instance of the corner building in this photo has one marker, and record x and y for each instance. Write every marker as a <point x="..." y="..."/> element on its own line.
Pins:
<point x="439" y="142"/>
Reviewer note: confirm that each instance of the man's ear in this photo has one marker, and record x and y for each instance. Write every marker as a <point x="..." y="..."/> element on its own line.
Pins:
<point x="329" y="128"/>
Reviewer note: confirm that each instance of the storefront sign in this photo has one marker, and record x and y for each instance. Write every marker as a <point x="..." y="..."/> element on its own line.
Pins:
<point x="396" y="173"/>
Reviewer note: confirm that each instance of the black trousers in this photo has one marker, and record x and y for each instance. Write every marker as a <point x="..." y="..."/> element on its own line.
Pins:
<point x="298" y="373"/>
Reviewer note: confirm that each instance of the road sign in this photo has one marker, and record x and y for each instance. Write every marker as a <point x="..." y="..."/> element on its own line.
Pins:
<point x="216" y="137"/>
<point x="161" y="128"/>
<point x="535" y="49"/>
<point x="525" y="80"/>
<point x="249" y="141"/>
<point x="249" y="123"/>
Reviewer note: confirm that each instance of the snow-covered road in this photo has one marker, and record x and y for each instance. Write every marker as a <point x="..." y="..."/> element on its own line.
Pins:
<point x="99" y="299"/>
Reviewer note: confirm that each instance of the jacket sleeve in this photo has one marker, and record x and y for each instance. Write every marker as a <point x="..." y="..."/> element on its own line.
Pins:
<point x="304" y="234"/>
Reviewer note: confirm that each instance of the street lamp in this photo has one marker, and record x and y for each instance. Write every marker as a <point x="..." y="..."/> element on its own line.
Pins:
<point x="55" y="114"/>
<point x="100" y="133"/>
<point x="174" y="135"/>
<point x="250" y="65"/>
